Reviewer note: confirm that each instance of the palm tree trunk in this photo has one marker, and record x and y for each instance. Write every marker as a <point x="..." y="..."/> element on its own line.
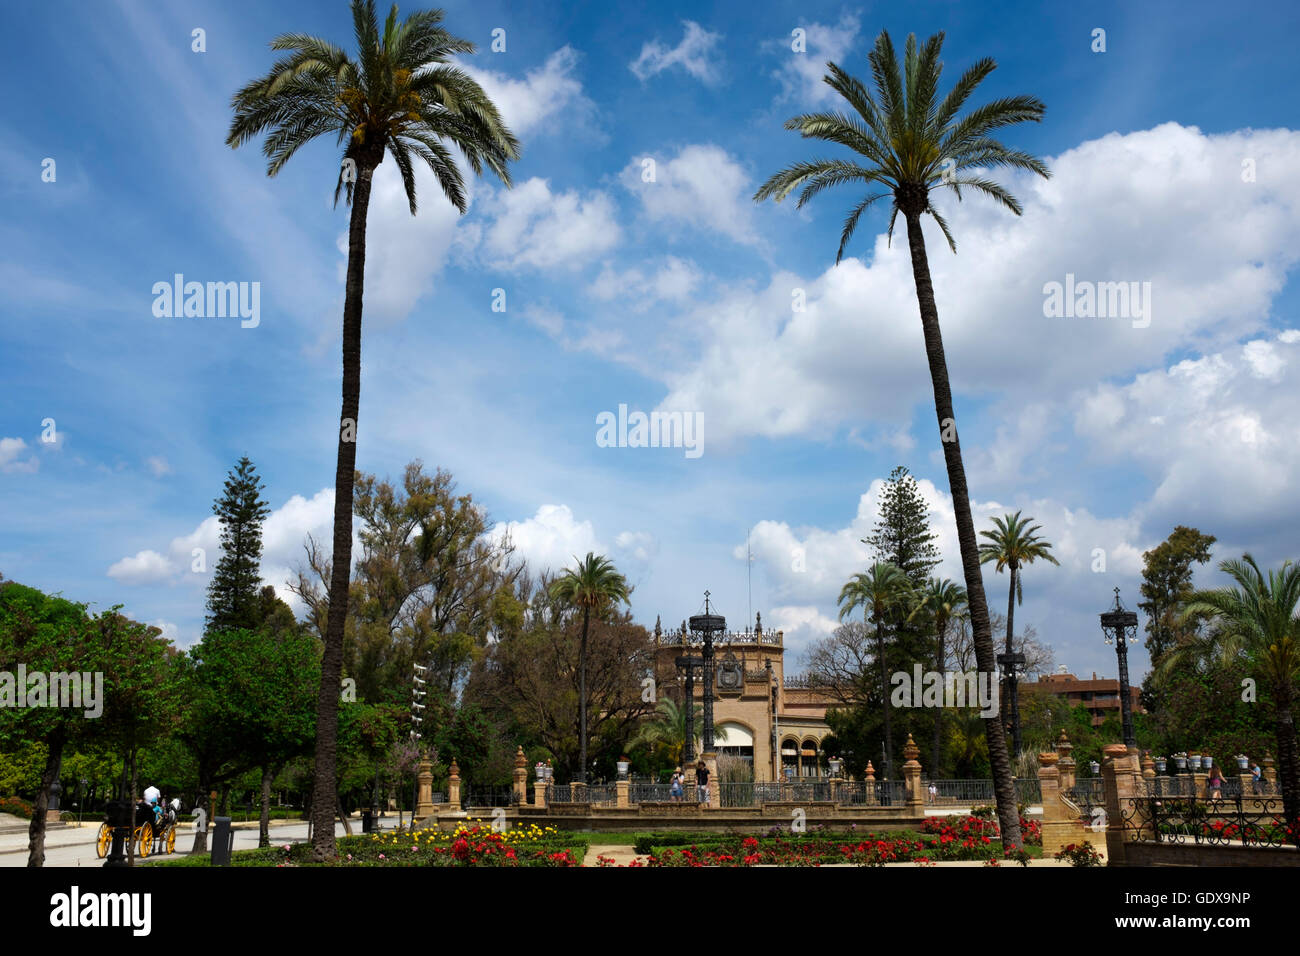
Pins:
<point x="1004" y="786"/>
<point x="1288" y="752"/>
<point x="1013" y="686"/>
<point x="884" y="693"/>
<point x="582" y="699"/>
<point x="324" y="790"/>
<point x="936" y="772"/>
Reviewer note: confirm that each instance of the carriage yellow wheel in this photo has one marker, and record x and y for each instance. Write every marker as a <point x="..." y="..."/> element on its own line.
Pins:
<point x="104" y="840"/>
<point x="145" y="835"/>
<point x="171" y="838"/>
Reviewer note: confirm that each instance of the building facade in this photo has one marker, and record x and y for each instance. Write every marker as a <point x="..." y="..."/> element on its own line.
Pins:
<point x="774" y="722"/>
<point x="1099" y="695"/>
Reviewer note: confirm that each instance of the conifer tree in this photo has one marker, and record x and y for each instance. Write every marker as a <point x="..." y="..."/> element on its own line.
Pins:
<point x="233" y="600"/>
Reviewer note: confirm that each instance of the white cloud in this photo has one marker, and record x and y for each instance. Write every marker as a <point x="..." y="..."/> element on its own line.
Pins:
<point x="284" y="532"/>
<point x="694" y="54"/>
<point x="550" y="539"/>
<point x="701" y="186"/>
<point x="1217" y="435"/>
<point x="404" y="253"/>
<point x="802" y="625"/>
<point x="525" y="105"/>
<point x="674" y="281"/>
<point x="158" y="465"/>
<point x="145" y="567"/>
<point x="170" y="631"/>
<point x="800" y="74"/>
<point x="638" y="546"/>
<point x="534" y="227"/>
<point x="11" y="460"/>
<point x="856" y="353"/>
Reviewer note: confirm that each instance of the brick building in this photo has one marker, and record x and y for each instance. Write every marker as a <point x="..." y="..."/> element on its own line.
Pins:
<point x="773" y="721"/>
<point x="1099" y="695"/>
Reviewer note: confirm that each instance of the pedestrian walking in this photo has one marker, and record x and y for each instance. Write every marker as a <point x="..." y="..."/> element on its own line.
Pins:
<point x="702" y="782"/>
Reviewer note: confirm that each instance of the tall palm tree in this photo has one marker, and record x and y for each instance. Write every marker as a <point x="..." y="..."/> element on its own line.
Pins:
<point x="398" y="96"/>
<point x="1013" y="543"/>
<point x="593" y="585"/>
<point x="943" y="602"/>
<point x="1256" y="620"/>
<point x="912" y="143"/>
<point x="878" y="591"/>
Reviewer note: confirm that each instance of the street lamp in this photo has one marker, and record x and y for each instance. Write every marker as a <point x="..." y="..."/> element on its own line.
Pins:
<point x="1120" y="627"/>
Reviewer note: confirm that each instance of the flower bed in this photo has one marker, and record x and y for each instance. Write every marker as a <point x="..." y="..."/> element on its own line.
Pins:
<point x="468" y="846"/>
<point x="948" y="839"/>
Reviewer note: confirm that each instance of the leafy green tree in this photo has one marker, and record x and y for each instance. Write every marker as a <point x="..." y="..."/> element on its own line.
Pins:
<point x="878" y="592"/>
<point x="1166" y="582"/>
<point x="941" y="602"/>
<point x="1012" y="544"/>
<point x="233" y="592"/>
<point x="913" y="143"/>
<point x="401" y="96"/>
<point x="592" y="586"/>
<point x="253" y="696"/>
<point x="1255" y="624"/>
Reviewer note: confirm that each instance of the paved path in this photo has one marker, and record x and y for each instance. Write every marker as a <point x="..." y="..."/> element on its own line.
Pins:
<point x="74" y="846"/>
<point x="622" y="854"/>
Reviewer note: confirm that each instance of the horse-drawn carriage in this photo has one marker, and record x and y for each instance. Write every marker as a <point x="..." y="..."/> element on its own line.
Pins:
<point x="155" y="830"/>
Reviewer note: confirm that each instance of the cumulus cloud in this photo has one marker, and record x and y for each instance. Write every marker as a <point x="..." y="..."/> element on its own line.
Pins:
<point x="550" y="539"/>
<point x="1205" y="425"/>
<point x="800" y="73"/>
<point x="12" y="451"/>
<point x="283" y="533"/>
<point x="855" y="352"/>
<point x="702" y="186"/>
<point x="694" y="54"/>
<point x="526" y="105"/>
<point x="675" y="281"/>
<point x="158" y="465"/>
<point x="144" y="567"/>
<point x="533" y="227"/>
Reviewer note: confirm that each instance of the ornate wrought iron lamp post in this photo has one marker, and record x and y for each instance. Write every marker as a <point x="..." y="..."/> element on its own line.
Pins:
<point x="706" y="625"/>
<point x="1120" y="627"/>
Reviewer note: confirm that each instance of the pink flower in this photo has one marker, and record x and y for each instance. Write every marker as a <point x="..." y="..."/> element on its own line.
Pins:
<point x="349" y="857"/>
<point x="382" y="857"/>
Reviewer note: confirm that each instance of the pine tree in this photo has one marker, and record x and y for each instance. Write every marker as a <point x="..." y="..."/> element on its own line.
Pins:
<point x="233" y="600"/>
<point x="902" y="537"/>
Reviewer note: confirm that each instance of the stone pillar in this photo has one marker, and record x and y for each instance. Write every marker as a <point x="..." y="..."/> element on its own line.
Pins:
<point x="835" y="789"/>
<point x="424" y="801"/>
<point x="912" y="775"/>
<point x="521" y="777"/>
<point x="1122" y="778"/>
<point x="1148" y="767"/>
<point x="578" y="788"/>
<point x="1270" y="775"/>
<point x="539" y="790"/>
<point x="1200" y="778"/>
<point x="453" y="786"/>
<point x="711" y="761"/>
<point x="621" y="789"/>
<point x="1064" y="762"/>
<point x="870" y="781"/>
<point x="1059" y="829"/>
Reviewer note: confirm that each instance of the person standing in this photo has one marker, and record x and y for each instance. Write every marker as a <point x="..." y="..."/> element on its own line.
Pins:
<point x="675" y="791"/>
<point x="702" y="782"/>
<point x="1216" y="784"/>
<point x="1256" y="776"/>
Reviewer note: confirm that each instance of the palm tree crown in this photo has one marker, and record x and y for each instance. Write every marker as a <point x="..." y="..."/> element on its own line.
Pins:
<point x="1256" y="619"/>
<point x="912" y="141"/>
<point x="399" y="95"/>
<point x="1014" y="543"/>
<point x="593" y="584"/>
<point x="875" y="591"/>
<point x="943" y="600"/>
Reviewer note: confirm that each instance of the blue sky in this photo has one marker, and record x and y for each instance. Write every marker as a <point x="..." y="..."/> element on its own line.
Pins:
<point x="670" y="295"/>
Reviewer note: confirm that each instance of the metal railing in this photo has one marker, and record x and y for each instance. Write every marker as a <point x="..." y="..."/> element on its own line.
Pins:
<point x="1216" y="822"/>
<point x="659" y="793"/>
<point x="876" y="793"/>
<point x="596" y="795"/>
<point x="487" y="797"/>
